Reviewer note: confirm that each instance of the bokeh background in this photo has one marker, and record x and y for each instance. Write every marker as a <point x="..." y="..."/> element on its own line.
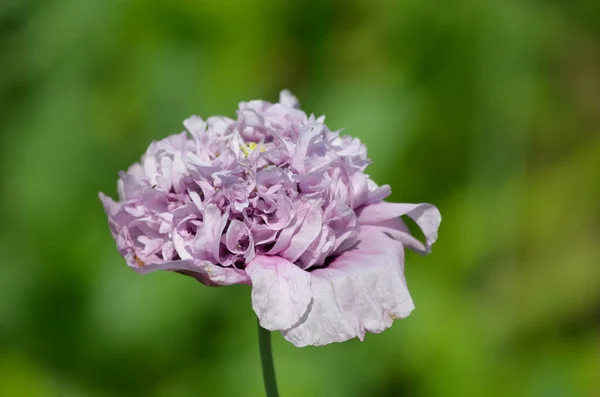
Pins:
<point x="489" y="109"/>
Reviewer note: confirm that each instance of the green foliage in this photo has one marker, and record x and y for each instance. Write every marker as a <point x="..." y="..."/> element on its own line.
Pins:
<point x="489" y="109"/>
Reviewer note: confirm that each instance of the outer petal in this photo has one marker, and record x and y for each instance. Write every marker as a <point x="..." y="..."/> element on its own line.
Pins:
<point x="204" y="271"/>
<point x="427" y="216"/>
<point x="398" y="230"/>
<point x="281" y="291"/>
<point x="363" y="290"/>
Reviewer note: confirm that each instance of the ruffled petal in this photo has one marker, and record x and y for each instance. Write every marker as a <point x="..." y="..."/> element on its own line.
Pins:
<point x="208" y="238"/>
<point x="287" y="99"/>
<point x="303" y="238"/>
<point x="426" y="216"/>
<point x="235" y="235"/>
<point x="362" y="290"/>
<point x="281" y="291"/>
<point x="204" y="271"/>
<point x="398" y="230"/>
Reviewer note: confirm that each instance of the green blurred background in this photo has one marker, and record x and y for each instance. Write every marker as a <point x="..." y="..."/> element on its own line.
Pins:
<point x="489" y="109"/>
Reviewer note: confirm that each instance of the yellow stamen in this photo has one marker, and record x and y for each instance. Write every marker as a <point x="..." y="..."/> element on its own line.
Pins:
<point x="249" y="147"/>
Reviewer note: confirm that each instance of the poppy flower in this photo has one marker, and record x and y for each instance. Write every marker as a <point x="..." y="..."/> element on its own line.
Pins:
<point x="275" y="200"/>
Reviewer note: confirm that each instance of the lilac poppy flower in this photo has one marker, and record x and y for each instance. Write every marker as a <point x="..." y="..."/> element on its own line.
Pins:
<point x="275" y="200"/>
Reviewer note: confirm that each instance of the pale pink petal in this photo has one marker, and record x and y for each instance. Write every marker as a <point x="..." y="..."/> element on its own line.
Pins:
<point x="287" y="99"/>
<point x="284" y="239"/>
<point x="303" y="238"/>
<point x="398" y="230"/>
<point x="204" y="271"/>
<point x="281" y="291"/>
<point x="208" y="238"/>
<point x="362" y="290"/>
<point x="426" y="216"/>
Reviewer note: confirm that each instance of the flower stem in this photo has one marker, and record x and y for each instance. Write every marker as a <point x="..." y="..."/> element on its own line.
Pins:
<point x="266" y="359"/>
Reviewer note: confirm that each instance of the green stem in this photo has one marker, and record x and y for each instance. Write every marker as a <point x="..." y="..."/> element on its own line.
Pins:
<point x="266" y="359"/>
